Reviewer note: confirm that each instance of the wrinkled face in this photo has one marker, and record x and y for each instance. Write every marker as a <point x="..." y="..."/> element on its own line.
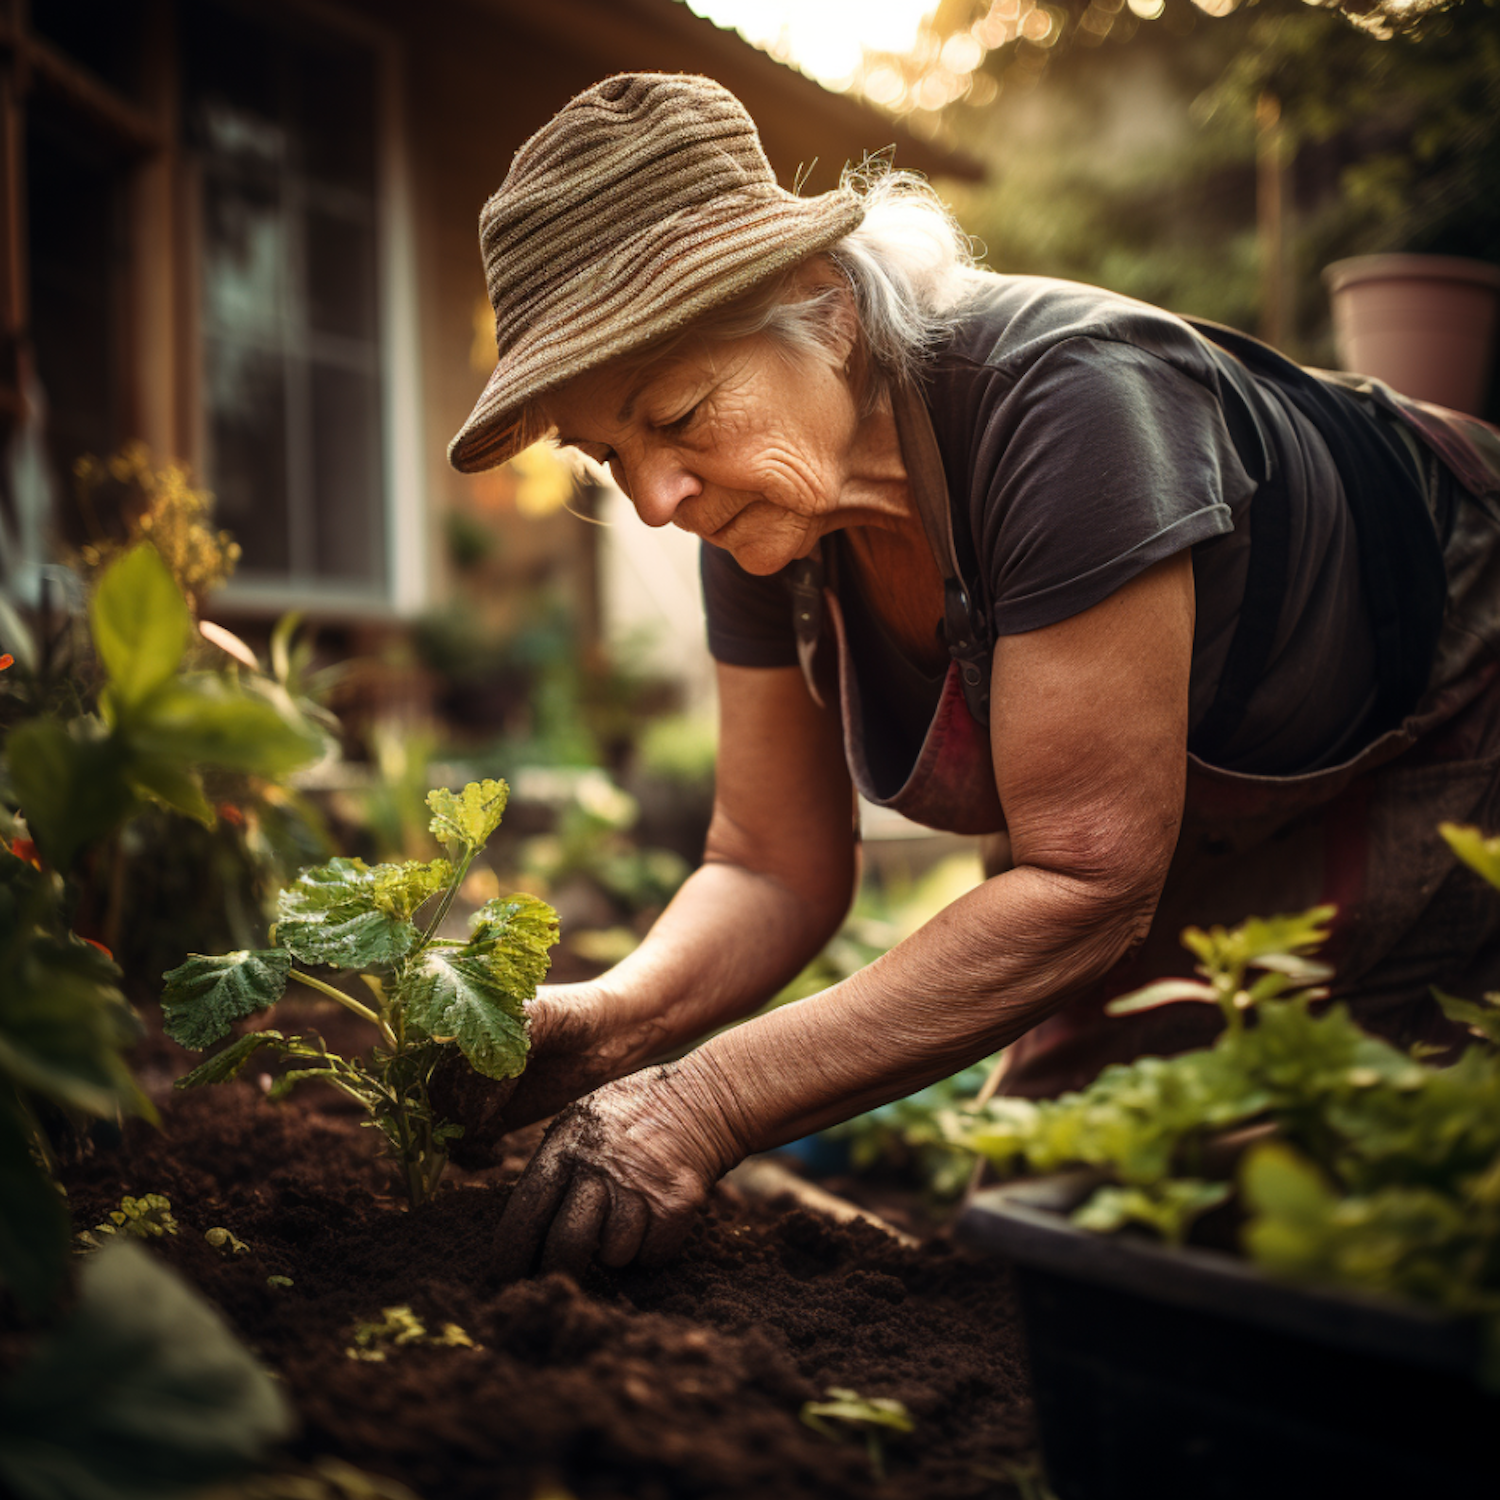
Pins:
<point x="734" y="442"/>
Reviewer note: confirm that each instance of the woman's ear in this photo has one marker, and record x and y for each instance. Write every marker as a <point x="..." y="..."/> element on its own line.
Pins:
<point x="821" y="277"/>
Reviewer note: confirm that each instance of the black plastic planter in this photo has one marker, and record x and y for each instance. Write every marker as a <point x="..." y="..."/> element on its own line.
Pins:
<point x="1163" y="1373"/>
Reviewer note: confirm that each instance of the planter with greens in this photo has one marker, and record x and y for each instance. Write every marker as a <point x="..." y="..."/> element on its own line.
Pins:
<point x="425" y="994"/>
<point x="1360" y="1184"/>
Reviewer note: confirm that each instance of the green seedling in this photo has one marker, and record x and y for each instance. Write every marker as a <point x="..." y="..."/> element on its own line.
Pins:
<point x="223" y="1240"/>
<point x="400" y="1327"/>
<point x="427" y="995"/>
<point x="279" y="1283"/>
<point x="148" y="1217"/>
<point x="873" y="1418"/>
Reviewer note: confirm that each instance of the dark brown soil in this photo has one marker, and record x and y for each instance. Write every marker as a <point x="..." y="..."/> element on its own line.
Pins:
<point x="687" y="1381"/>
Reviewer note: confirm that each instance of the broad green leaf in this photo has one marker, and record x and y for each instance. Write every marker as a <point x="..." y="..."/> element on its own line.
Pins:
<point x="71" y="784"/>
<point x="226" y="1064"/>
<point x="401" y="889"/>
<point x="469" y="817"/>
<point x="206" y="995"/>
<point x="1481" y="854"/>
<point x="1163" y="992"/>
<point x="347" y="915"/>
<point x="516" y="933"/>
<point x="203" y="720"/>
<point x="174" y="786"/>
<point x="143" y="1392"/>
<point x="141" y="624"/>
<point x="461" y="996"/>
<point x="34" y="1226"/>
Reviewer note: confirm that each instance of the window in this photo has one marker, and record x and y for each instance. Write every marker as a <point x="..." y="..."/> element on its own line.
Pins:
<point x="282" y="121"/>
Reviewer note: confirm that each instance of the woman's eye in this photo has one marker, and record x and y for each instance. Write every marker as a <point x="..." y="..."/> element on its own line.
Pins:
<point x="685" y="421"/>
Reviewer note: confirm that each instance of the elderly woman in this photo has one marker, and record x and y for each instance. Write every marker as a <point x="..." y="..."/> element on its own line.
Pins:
<point x="1185" y="631"/>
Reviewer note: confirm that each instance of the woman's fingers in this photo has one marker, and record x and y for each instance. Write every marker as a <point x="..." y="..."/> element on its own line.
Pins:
<point x="576" y="1227"/>
<point x="528" y="1216"/>
<point x="625" y="1229"/>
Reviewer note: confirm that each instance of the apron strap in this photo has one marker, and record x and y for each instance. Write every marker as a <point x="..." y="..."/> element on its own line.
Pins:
<point x="966" y="629"/>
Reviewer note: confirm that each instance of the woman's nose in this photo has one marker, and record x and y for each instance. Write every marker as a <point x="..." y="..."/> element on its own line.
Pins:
<point x="659" y="483"/>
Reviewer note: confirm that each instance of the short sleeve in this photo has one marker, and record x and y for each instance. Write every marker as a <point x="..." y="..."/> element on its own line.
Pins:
<point x="749" y="618"/>
<point x="1098" y="460"/>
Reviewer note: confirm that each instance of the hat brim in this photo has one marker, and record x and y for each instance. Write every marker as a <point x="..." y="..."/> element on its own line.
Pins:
<point x="680" y="271"/>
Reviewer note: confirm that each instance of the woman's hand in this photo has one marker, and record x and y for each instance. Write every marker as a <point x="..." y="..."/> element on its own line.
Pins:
<point x="619" y="1176"/>
<point x="574" y="1048"/>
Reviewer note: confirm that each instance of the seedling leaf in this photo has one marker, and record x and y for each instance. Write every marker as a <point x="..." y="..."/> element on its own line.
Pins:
<point x="468" y="817"/>
<point x="347" y="915"/>
<point x="462" y="996"/>
<point x="207" y="994"/>
<point x="515" y="933"/>
<point x="223" y="1066"/>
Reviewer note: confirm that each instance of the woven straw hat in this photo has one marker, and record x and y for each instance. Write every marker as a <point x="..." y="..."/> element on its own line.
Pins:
<point x="642" y="204"/>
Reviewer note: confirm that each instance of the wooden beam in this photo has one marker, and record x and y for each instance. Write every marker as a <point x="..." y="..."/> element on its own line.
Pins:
<point x="41" y="65"/>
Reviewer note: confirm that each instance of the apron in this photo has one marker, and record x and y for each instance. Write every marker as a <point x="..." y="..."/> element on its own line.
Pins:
<point x="1361" y="835"/>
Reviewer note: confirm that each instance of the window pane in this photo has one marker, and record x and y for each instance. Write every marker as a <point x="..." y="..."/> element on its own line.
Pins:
<point x="244" y="259"/>
<point x="347" y="474"/>
<point x="247" y="461"/>
<point x="283" y="119"/>
<point x="340" y="275"/>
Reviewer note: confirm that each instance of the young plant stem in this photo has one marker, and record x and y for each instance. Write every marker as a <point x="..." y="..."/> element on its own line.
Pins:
<point x="350" y="1003"/>
<point x="445" y="901"/>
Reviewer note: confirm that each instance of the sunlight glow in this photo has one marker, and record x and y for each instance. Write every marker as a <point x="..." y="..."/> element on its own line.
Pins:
<point x="826" y="38"/>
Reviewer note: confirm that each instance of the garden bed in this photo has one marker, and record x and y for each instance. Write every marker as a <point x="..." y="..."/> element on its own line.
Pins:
<point x="685" y="1381"/>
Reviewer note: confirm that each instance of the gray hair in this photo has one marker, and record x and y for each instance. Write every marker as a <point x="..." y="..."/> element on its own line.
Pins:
<point x="909" y="266"/>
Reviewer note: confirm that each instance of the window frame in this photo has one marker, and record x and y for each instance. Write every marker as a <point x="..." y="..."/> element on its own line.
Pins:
<point x="403" y="590"/>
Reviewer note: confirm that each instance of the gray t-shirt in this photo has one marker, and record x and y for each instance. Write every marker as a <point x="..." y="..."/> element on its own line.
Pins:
<point x="1084" y="437"/>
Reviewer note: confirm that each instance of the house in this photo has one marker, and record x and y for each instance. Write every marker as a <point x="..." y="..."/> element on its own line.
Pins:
<point x="245" y="233"/>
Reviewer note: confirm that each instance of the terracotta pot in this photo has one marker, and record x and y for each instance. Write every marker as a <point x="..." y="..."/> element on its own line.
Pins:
<point x="1424" y="324"/>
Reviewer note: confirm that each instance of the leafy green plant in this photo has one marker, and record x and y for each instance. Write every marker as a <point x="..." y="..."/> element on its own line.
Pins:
<point x="130" y="729"/>
<point x="428" y="994"/>
<point x="159" y="722"/>
<point x="1355" y="1163"/>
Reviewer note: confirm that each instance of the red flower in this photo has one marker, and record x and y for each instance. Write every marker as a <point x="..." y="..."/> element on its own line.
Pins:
<point x="7" y="661"/>
<point x="26" y="849"/>
<point x="230" y="814"/>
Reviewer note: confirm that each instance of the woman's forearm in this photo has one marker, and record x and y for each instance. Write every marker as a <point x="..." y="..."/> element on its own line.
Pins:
<point x="980" y="974"/>
<point x="728" y="941"/>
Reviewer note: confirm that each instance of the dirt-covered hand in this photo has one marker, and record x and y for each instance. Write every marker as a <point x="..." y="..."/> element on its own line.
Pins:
<point x="573" y="1050"/>
<point x="619" y="1176"/>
